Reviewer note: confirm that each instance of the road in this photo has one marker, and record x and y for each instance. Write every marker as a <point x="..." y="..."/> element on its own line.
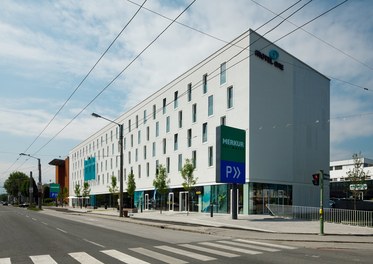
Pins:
<point x="53" y="237"/>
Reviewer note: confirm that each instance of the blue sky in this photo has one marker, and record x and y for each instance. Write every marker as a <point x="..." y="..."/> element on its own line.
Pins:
<point x="47" y="47"/>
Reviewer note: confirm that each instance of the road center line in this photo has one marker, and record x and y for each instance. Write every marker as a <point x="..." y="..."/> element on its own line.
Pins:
<point x="59" y="229"/>
<point x="94" y="243"/>
<point x="34" y="219"/>
<point x="44" y="223"/>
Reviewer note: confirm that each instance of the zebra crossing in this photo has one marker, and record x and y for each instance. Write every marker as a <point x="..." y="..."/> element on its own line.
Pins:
<point x="173" y="254"/>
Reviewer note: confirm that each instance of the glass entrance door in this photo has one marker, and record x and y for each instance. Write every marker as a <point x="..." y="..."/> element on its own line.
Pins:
<point x="171" y="201"/>
<point x="146" y="201"/>
<point x="183" y="199"/>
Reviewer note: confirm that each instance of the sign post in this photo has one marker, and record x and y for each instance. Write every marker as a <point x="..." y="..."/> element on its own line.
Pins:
<point x="231" y="159"/>
<point x="54" y="190"/>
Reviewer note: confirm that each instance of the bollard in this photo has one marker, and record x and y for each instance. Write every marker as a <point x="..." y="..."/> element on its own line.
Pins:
<point x="211" y="209"/>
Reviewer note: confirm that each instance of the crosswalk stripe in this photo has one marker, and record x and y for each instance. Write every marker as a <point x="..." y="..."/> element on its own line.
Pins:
<point x="158" y="256"/>
<point x="123" y="257"/>
<point x="235" y="249"/>
<point x="265" y="244"/>
<point x="5" y="261"/>
<point x="43" y="259"/>
<point x="84" y="258"/>
<point x="249" y="246"/>
<point x="209" y="250"/>
<point x="186" y="253"/>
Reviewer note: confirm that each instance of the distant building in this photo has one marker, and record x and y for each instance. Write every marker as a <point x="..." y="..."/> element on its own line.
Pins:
<point x="338" y="169"/>
<point x="250" y="84"/>
<point x="62" y="172"/>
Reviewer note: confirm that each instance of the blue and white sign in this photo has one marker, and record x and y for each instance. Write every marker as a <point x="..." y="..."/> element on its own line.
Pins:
<point x="232" y="172"/>
<point x="53" y="195"/>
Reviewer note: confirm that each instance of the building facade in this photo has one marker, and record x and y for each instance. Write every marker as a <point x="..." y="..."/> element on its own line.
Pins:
<point x="250" y="84"/>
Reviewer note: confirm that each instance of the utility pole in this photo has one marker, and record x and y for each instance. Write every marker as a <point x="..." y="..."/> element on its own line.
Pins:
<point x="31" y="189"/>
<point x="321" y="203"/>
<point x="40" y="187"/>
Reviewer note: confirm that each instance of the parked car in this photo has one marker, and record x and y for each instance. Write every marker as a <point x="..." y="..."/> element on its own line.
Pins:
<point x="5" y="203"/>
<point x="331" y="204"/>
<point x="24" y="205"/>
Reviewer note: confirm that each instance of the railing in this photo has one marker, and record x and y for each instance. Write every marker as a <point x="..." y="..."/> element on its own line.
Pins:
<point x="332" y="215"/>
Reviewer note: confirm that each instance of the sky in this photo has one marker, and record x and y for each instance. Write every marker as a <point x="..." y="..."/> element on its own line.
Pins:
<point x="47" y="48"/>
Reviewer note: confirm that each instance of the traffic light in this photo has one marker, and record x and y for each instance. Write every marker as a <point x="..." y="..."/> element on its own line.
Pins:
<point x="316" y="178"/>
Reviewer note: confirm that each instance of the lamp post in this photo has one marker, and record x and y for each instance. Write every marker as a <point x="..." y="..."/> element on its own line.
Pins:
<point x="39" y="183"/>
<point x="121" y="161"/>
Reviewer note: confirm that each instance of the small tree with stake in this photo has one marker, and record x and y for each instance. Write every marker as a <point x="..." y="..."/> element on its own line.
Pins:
<point x="188" y="177"/>
<point x="77" y="191"/>
<point x="131" y="186"/>
<point x="113" y="188"/>
<point x="86" y="190"/>
<point x="161" y="182"/>
<point x="356" y="176"/>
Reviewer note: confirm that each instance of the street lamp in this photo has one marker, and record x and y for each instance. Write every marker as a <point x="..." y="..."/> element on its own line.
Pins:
<point x="121" y="161"/>
<point x="39" y="183"/>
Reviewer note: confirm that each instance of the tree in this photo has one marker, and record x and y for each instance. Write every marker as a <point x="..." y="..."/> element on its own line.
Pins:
<point x="131" y="186"/>
<point x="161" y="182"/>
<point x="62" y="195"/>
<point x="188" y="177"/>
<point x="113" y="188"/>
<point x="77" y="191"/>
<point x="86" y="190"/>
<point x="356" y="175"/>
<point x="16" y="183"/>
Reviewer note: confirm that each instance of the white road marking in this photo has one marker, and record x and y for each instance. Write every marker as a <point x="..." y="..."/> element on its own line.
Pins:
<point x="84" y="258"/>
<point x="34" y="219"/>
<point x="158" y="256"/>
<point x="241" y="244"/>
<point x="94" y="243"/>
<point x="44" y="223"/>
<point x="43" y="259"/>
<point x="265" y="244"/>
<point x="211" y="251"/>
<point x="59" y="229"/>
<point x="225" y="247"/>
<point x="5" y="261"/>
<point x="186" y="253"/>
<point x="123" y="257"/>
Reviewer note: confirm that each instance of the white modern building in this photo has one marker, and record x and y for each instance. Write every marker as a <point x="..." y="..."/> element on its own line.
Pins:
<point x="250" y="84"/>
<point x="339" y="169"/>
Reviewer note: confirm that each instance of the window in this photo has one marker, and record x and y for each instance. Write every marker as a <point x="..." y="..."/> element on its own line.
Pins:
<point x="157" y="129"/>
<point x="111" y="138"/>
<point x="210" y="156"/>
<point x="156" y="166"/>
<point x="129" y="125"/>
<point x="223" y="73"/>
<point x="339" y="167"/>
<point x="124" y="143"/>
<point x="154" y="111"/>
<point x="167" y="124"/>
<point x="132" y="141"/>
<point x="168" y="165"/>
<point x="164" y="146"/>
<point x="204" y="132"/>
<point x="210" y="105"/>
<point x="164" y="105"/>
<point x="180" y="119"/>
<point x="137" y="121"/>
<point x="147" y="133"/>
<point x="194" y="158"/>
<point x="176" y="141"/>
<point x="139" y="171"/>
<point x="145" y="154"/>
<point x="129" y="157"/>
<point x="153" y="150"/>
<point x="204" y="83"/>
<point x="230" y="97"/>
<point x="194" y="113"/>
<point x="147" y="169"/>
<point x="180" y="162"/>
<point x="189" y="92"/>
<point x="139" y="137"/>
<point x="189" y="137"/>
<point x="136" y="155"/>
<point x="223" y="120"/>
<point x="176" y="95"/>
<point x="145" y="117"/>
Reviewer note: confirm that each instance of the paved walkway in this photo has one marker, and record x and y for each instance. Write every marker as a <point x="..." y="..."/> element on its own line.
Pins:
<point x="262" y="223"/>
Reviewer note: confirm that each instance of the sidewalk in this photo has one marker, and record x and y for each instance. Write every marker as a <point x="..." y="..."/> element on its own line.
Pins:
<point x="260" y="223"/>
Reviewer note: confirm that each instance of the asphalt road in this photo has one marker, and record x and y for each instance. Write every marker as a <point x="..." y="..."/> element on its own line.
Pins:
<point x="53" y="237"/>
